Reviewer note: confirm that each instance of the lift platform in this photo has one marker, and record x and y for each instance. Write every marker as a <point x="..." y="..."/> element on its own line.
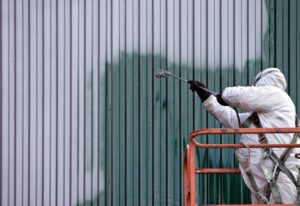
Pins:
<point x="190" y="170"/>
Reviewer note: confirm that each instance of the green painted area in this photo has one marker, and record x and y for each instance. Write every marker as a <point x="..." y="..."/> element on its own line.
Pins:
<point x="152" y="120"/>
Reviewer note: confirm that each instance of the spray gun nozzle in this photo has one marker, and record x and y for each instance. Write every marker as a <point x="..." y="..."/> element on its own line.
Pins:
<point x="163" y="74"/>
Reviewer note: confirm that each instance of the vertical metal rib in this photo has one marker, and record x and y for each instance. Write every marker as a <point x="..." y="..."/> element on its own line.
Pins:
<point x="15" y="103"/>
<point x="84" y="102"/>
<point x="111" y="87"/>
<point x="43" y="100"/>
<point x="98" y="108"/>
<point x="70" y="110"/>
<point x="1" y="113"/>
<point x="29" y="101"/>
<point x="125" y="78"/>
<point x="64" y="107"/>
<point x="56" y="107"/>
<point x="139" y="103"/>
<point x="1" y="98"/>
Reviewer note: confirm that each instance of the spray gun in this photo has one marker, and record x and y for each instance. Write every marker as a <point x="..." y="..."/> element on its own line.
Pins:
<point x="165" y="74"/>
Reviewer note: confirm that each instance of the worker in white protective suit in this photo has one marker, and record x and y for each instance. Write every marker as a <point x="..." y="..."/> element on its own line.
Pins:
<point x="270" y="174"/>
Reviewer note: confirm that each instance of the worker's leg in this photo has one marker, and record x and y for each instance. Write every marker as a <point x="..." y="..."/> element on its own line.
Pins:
<point x="259" y="179"/>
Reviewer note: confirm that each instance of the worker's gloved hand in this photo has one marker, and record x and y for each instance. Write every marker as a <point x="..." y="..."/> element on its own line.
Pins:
<point x="221" y="100"/>
<point x="198" y="87"/>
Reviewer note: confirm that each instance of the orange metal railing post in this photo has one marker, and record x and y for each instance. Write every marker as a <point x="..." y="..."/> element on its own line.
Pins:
<point x="193" y="174"/>
<point x="189" y="176"/>
<point x="187" y="186"/>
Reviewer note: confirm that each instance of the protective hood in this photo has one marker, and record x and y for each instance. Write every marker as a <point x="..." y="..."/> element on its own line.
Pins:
<point x="270" y="77"/>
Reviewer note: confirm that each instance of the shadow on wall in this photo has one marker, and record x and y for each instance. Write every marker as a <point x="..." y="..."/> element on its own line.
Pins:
<point x="131" y="84"/>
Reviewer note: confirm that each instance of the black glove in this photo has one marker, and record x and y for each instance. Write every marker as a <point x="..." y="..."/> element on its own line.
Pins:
<point x="198" y="87"/>
<point x="221" y="100"/>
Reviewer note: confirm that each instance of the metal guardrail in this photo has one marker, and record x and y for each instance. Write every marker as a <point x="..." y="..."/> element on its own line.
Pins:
<point x="190" y="169"/>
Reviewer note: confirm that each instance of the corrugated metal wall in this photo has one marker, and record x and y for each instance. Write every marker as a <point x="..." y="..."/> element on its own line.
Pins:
<point x="85" y="122"/>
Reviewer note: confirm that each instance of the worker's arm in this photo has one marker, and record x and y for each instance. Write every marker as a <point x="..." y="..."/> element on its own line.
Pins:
<point x="224" y="114"/>
<point x="217" y="107"/>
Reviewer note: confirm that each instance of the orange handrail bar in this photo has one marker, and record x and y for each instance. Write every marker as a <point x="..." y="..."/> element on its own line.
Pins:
<point x="189" y="161"/>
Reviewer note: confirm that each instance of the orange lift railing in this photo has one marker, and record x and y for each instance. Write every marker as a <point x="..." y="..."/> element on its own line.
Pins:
<point x="190" y="169"/>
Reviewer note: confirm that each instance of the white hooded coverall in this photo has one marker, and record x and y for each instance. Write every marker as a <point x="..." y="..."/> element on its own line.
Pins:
<point x="275" y="109"/>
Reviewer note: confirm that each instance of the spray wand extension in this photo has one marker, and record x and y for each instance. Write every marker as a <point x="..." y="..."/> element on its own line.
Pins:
<point x="165" y="74"/>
